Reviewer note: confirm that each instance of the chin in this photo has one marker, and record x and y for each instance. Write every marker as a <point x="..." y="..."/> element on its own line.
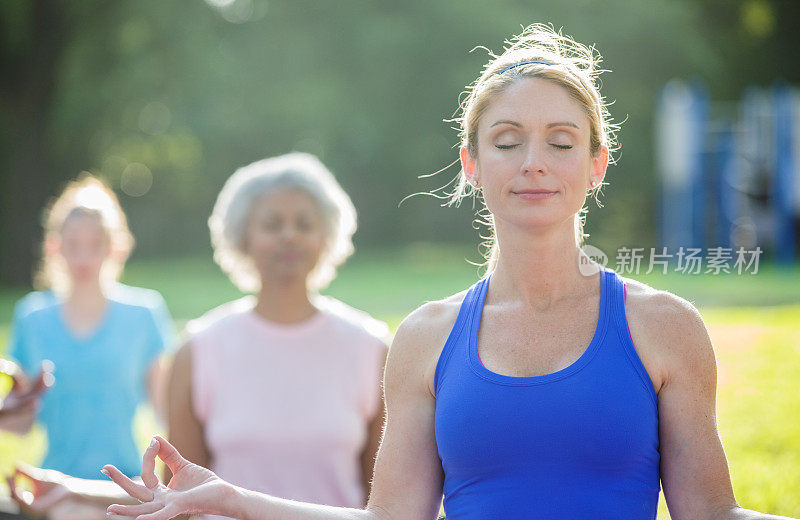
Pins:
<point x="285" y="274"/>
<point x="533" y="220"/>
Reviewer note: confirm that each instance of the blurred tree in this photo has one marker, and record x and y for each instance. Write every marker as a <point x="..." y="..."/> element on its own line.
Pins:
<point x="32" y="43"/>
<point x="167" y="99"/>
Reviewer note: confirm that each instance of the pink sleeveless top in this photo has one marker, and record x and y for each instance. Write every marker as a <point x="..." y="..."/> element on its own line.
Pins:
<point x="286" y="407"/>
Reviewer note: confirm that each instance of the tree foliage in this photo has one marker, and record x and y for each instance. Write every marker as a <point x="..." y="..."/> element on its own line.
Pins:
<point x="167" y="99"/>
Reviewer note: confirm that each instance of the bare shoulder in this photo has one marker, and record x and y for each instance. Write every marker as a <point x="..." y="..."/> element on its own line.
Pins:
<point x="668" y="332"/>
<point x="421" y="336"/>
<point x="433" y="319"/>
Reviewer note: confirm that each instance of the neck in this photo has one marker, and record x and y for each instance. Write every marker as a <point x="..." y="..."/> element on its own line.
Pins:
<point x="86" y="294"/>
<point x="540" y="267"/>
<point x="284" y="301"/>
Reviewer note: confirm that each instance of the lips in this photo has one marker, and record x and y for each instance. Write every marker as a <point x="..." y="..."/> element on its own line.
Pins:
<point x="289" y="255"/>
<point x="535" y="194"/>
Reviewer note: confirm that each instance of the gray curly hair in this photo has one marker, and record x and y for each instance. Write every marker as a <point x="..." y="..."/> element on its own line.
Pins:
<point x="228" y="221"/>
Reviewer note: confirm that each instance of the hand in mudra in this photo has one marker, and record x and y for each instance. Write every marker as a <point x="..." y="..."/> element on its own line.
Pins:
<point x="192" y="489"/>
<point x="47" y="491"/>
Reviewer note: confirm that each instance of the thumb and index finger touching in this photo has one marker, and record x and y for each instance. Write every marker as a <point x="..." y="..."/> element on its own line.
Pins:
<point x="165" y="451"/>
<point x="159" y="447"/>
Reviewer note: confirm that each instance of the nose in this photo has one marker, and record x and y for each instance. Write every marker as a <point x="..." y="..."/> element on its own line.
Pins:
<point x="290" y="231"/>
<point x="533" y="161"/>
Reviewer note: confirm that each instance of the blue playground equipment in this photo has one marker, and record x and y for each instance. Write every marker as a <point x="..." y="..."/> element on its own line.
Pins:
<point x="729" y="172"/>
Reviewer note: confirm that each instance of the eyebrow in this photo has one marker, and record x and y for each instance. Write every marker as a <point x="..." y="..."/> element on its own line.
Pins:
<point x="506" y="122"/>
<point x="562" y="123"/>
<point x="549" y="125"/>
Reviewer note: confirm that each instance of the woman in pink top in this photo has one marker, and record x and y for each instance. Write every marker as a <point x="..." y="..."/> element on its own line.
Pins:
<point x="281" y="391"/>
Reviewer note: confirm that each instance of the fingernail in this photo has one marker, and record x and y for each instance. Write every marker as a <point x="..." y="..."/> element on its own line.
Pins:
<point x="104" y="471"/>
<point x="153" y="442"/>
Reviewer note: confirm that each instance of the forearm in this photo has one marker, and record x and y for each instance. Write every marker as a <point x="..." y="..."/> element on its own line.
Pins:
<point x="737" y="513"/>
<point x="250" y="505"/>
<point x="367" y="470"/>
<point x="157" y="389"/>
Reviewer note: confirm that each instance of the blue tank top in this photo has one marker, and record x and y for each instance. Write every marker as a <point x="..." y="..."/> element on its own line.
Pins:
<point x="579" y="443"/>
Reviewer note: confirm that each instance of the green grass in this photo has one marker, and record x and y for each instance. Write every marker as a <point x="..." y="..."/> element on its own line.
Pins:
<point x="770" y="286"/>
<point x="758" y="403"/>
<point x="389" y="283"/>
<point x="754" y="322"/>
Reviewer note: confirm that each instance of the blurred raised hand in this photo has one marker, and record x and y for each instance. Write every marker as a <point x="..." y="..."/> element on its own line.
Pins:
<point x="18" y="408"/>
<point x="192" y="488"/>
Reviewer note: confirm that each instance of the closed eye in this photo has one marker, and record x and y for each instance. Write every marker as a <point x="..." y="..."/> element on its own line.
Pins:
<point x="506" y="146"/>
<point x="563" y="146"/>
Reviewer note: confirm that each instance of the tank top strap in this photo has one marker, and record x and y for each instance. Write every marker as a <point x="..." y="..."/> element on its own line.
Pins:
<point x="619" y="321"/>
<point x="616" y="289"/>
<point x="461" y="327"/>
<point x="616" y="303"/>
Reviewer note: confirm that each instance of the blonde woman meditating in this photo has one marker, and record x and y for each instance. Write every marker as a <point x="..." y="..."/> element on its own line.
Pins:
<point x="541" y="392"/>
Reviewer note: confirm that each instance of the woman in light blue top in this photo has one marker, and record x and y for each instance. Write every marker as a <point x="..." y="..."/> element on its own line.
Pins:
<point x="103" y="338"/>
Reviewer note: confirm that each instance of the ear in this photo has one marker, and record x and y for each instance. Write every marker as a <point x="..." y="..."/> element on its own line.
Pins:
<point x="599" y="167"/>
<point x="118" y="255"/>
<point x="468" y="166"/>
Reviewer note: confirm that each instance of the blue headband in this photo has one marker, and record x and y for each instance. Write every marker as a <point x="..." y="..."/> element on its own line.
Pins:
<point x="524" y="63"/>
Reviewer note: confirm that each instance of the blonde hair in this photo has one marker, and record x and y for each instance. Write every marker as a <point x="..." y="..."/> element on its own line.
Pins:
<point x="574" y="67"/>
<point x="228" y="221"/>
<point x="85" y="196"/>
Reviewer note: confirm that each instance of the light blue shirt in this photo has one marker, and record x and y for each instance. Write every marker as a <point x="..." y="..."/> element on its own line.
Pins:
<point x="99" y="380"/>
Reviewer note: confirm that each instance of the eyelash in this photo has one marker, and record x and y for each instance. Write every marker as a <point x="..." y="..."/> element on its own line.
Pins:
<point x="510" y="146"/>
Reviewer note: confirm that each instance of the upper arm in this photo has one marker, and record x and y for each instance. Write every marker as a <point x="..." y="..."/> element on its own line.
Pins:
<point x="185" y="431"/>
<point x="374" y="433"/>
<point x="694" y="469"/>
<point x="164" y="326"/>
<point x="408" y="476"/>
<point x="156" y="386"/>
<point x="159" y="340"/>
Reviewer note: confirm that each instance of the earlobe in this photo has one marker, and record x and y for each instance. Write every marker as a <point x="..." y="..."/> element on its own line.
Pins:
<point x="118" y="255"/>
<point x="599" y="167"/>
